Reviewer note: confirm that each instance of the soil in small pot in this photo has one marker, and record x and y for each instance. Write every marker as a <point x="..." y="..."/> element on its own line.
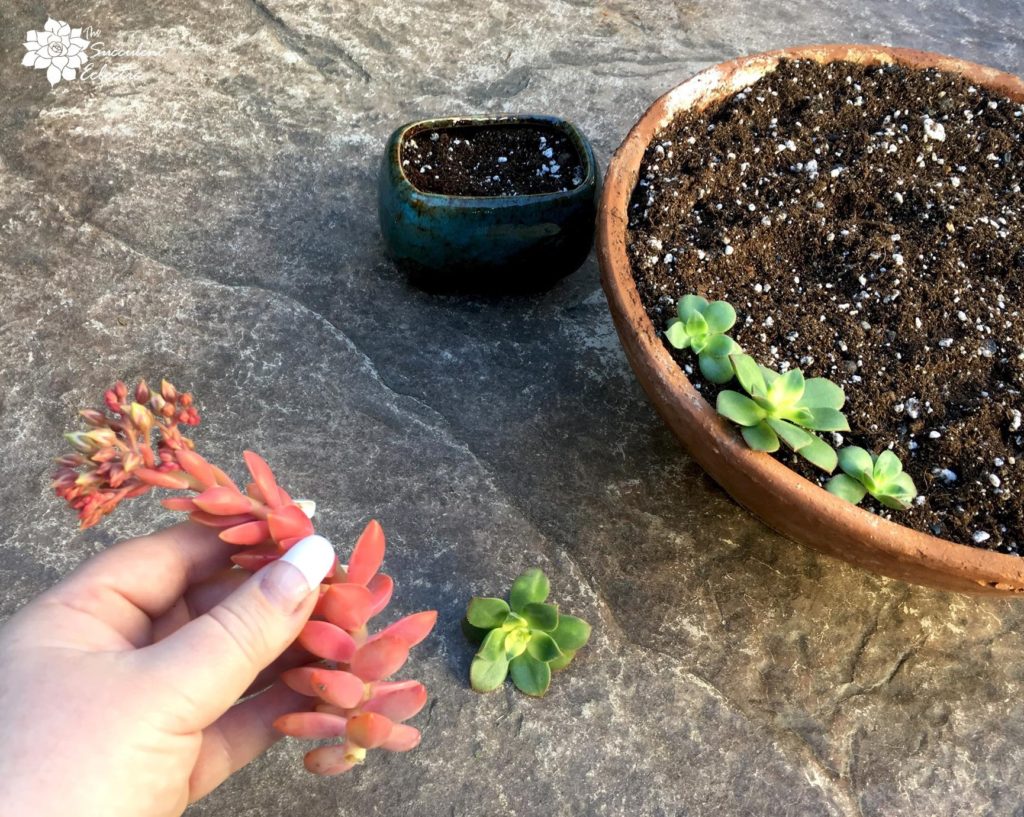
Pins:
<point x="491" y="160"/>
<point x="866" y="224"/>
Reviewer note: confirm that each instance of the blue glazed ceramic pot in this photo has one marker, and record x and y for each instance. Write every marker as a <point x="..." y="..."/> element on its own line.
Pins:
<point x="490" y="243"/>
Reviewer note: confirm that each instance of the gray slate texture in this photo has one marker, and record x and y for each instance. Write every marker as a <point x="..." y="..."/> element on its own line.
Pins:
<point x="209" y="215"/>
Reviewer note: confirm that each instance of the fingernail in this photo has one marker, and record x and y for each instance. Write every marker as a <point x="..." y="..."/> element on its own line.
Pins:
<point x="288" y="581"/>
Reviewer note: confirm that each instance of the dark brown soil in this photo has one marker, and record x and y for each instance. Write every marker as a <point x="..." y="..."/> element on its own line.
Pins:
<point x="491" y="160"/>
<point x="866" y="225"/>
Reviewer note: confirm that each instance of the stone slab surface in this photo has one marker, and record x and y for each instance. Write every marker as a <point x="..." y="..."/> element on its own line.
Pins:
<point x="209" y="214"/>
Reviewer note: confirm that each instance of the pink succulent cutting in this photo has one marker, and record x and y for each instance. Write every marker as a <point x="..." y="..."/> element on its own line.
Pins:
<point x="351" y="696"/>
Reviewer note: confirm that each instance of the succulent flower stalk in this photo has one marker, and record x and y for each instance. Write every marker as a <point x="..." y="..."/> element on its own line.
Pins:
<point x="137" y="445"/>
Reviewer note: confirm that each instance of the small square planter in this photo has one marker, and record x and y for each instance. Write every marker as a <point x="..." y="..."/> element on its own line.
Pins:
<point x="490" y="229"/>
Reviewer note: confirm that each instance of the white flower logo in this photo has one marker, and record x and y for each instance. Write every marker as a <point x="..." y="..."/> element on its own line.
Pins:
<point x="58" y="48"/>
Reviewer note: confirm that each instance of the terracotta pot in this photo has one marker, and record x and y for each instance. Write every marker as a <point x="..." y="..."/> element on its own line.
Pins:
<point x="787" y="502"/>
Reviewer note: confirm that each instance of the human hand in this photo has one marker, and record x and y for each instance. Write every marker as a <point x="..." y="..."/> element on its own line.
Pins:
<point x="119" y="685"/>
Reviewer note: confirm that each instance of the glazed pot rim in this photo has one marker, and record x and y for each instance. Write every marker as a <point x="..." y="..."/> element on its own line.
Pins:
<point x="886" y="544"/>
<point x="583" y="149"/>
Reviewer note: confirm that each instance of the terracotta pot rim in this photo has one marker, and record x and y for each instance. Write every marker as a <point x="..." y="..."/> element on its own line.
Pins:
<point x="884" y="546"/>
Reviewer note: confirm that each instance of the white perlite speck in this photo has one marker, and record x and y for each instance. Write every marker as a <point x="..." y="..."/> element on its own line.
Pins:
<point x="980" y="536"/>
<point x="994" y="481"/>
<point x="934" y="130"/>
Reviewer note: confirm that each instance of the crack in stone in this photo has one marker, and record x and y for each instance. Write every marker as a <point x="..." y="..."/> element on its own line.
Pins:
<point x="788" y="742"/>
<point x="297" y="42"/>
<point x="869" y="632"/>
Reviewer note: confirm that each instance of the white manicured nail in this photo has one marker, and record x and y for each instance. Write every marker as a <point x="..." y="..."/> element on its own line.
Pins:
<point x="313" y="556"/>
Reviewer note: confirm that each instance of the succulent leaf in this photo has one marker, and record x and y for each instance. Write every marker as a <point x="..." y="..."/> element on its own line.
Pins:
<point x="562" y="662"/>
<point x="898" y="493"/>
<point x="689" y="305"/>
<point x="516" y="642"/>
<point x="856" y="462"/>
<point x="819" y="453"/>
<point x="326" y="640"/>
<point x="347" y="605"/>
<point x="793" y="436"/>
<point x="486" y="675"/>
<point x="761" y="437"/>
<point x="398" y="704"/>
<point x="530" y="675"/>
<point x="715" y="369"/>
<point x="368" y="729"/>
<point x="487" y="613"/>
<point x="720" y="316"/>
<point x="821" y="418"/>
<point x="300" y="679"/>
<point x="403" y="738"/>
<point x="677" y="335"/>
<point x="571" y="633"/>
<point x="696" y="326"/>
<point x="343" y="689"/>
<point x="330" y="760"/>
<point x="721" y="346"/>
<point x="821" y="392"/>
<point x="541" y="616"/>
<point x="531" y="587"/>
<point x="378" y="659"/>
<point x="493" y="646"/>
<point x="263" y="477"/>
<point x="787" y="390"/>
<point x="255" y="532"/>
<point x="887" y="466"/>
<point x="750" y="375"/>
<point x="543" y="647"/>
<point x="380" y="588"/>
<point x="846" y="487"/>
<point x="411" y="629"/>
<point x="739" y="408"/>
<point x="368" y="554"/>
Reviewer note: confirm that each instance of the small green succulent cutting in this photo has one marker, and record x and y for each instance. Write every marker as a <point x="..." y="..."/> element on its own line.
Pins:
<point x="524" y="637"/>
<point x="882" y="477"/>
<point x="786" y="407"/>
<point x="701" y="326"/>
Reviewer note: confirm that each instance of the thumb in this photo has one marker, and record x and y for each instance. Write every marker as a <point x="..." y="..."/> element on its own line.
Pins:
<point x="211" y="661"/>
